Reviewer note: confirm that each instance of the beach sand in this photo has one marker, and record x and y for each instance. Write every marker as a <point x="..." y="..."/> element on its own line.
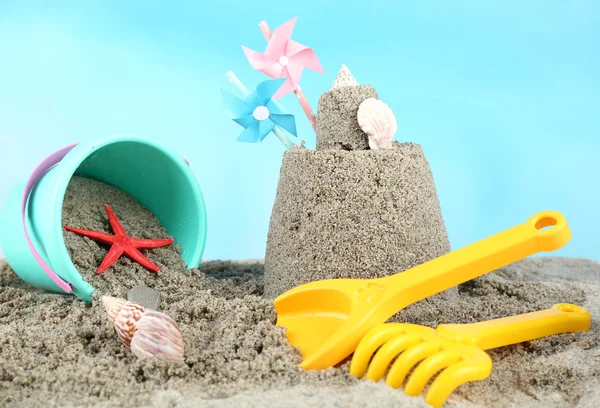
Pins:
<point x="56" y="350"/>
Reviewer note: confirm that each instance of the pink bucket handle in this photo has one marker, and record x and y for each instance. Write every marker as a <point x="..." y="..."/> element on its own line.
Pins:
<point x="35" y="176"/>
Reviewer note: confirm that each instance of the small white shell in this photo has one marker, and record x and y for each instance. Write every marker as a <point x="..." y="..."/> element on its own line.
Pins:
<point x="344" y="78"/>
<point x="377" y="120"/>
<point x="147" y="332"/>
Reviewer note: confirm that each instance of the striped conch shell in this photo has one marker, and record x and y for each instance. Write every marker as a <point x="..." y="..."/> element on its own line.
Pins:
<point x="146" y="332"/>
<point x="377" y="120"/>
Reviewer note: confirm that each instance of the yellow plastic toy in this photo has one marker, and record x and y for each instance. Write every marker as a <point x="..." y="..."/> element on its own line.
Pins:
<point x="454" y="349"/>
<point x="326" y="319"/>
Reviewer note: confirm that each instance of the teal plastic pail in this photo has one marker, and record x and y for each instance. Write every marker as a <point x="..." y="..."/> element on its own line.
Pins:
<point x="31" y="230"/>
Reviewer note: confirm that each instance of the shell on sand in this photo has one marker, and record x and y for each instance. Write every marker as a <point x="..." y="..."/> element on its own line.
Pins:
<point x="157" y="334"/>
<point x="377" y="120"/>
<point x="147" y="333"/>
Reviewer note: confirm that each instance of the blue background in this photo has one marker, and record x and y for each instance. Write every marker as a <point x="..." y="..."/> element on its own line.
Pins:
<point x="504" y="97"/>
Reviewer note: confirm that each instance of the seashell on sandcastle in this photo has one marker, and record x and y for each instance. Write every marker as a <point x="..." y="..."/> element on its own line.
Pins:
<point x="360" y="205"/>
<point x="377" y="120"/>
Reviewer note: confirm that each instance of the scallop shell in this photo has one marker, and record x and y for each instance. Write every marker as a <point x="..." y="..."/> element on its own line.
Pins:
<point x="377" y="120"/>
<point x="146" y="332"/>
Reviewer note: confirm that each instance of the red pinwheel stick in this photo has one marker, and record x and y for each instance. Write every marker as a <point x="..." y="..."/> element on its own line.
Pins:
<point x="264" y="28"/>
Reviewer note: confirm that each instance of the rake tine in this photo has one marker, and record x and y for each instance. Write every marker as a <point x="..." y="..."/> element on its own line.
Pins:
<point x="453" y="377"/>
<point x="428" y="368"/>
<point x="369" y="344"/>
<point x="388" y="352"/>
<point x="408" y="360"/>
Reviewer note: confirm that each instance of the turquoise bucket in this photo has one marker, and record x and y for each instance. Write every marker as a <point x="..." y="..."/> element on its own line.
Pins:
<point x="31" y="230"/>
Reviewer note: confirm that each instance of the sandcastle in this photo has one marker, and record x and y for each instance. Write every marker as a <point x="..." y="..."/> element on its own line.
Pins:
<point x="345" y="210"/>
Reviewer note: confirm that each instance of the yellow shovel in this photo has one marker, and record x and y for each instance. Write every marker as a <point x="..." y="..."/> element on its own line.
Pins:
<point x="326" y="319"/>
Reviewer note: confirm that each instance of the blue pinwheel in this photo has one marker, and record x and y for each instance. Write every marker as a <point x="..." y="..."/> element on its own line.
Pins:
<point x="258" y="113"/>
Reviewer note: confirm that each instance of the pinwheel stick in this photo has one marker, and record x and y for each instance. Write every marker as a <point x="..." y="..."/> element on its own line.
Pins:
<point x="264" y="28"/>
<point x="234" y="80"/>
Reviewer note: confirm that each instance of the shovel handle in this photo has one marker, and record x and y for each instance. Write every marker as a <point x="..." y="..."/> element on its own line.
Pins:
<point x="477" y="259"/>
<point x="560" y="318"/>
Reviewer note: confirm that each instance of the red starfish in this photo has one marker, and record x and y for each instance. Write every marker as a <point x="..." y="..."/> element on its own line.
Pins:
<point x="121" y="244"/>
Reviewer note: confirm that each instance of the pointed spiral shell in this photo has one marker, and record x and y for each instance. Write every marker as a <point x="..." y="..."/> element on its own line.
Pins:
<point x="147" y="333"/>
<point x="124" y="315"/>
<point x="377" y="120"/>
<point x="157" y="334"/>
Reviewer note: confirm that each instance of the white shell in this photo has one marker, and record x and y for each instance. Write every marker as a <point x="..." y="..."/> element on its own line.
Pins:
<point x="147" y="332"/>
<point x="344" y="78"/>
<point x="377" y="120"/>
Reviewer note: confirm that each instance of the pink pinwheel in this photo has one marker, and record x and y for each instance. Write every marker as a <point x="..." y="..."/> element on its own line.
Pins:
<point x="284" y="58"/>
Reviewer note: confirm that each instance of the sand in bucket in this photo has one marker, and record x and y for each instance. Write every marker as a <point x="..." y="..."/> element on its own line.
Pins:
<point x="83" y="207"/>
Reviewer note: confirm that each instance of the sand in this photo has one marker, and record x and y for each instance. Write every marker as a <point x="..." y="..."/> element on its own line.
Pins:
<point x="357" y="214"/>
<point x="56" y="350"/>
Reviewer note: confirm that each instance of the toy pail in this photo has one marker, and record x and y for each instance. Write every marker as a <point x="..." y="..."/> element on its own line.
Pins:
<point x="31" y="230"/>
